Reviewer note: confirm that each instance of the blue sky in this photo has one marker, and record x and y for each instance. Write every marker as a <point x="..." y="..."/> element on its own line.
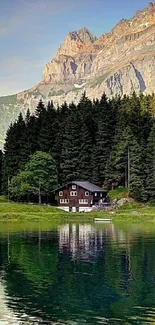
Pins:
<point x="32" y="30"/>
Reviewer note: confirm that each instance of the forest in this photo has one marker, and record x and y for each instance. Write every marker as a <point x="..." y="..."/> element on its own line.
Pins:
<point x="93" y="140"/>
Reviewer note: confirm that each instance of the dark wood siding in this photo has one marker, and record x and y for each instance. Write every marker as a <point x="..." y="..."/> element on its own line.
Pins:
<point x="74" y="200"/>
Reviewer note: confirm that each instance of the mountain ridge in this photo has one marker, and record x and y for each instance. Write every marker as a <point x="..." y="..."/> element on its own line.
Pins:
<point x="117" y="63"/>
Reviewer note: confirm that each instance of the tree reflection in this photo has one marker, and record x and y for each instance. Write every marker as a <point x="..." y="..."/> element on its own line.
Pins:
<point x="80" y="273"/>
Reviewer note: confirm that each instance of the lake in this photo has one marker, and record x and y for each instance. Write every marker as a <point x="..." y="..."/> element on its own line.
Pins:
<point x="77" y="274"/>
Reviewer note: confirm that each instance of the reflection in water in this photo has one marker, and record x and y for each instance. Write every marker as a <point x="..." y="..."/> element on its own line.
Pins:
<point x="81" y="241"/>
<point x="86" y="242"/>
<point x="6" y="314"/>
<point x="77" y="274"/>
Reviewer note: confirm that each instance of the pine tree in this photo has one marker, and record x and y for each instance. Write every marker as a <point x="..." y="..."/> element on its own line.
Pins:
<point x="116" y="166"/>
<point x="1" y="161"/>
<point x="95" y="173"/>
<point x="48" y="130"/>
<point x="127" y="148"/>
<point x="89" y="141"/>
<point x="62" y="116"/>
<point x="40" y="121"/>
<point x="150" y="166"/>
<point x="104" y="136"/>
<point x="85" y="154"/>
<point x="40" y="110"/>
<point x="135" y="114"/>
<point x="32" y="134"/>
<point x="87" y="111"/>
<point x="70" y="164"/>
<point x="136" y="188"/>
<point x="22" y="153"/>
<point x="14" y="155"/>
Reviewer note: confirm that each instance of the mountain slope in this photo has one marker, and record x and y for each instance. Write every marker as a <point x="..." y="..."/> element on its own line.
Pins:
<point x="118" y="62"/>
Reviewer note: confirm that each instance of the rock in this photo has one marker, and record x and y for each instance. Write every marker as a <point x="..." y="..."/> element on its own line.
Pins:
<point x="117" y="63"/>
<point x="122" y="201"/>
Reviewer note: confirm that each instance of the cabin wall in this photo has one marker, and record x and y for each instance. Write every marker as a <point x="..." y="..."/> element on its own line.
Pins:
<point x="73" y="200"/>
<point x="98" y="197"/>
<point x="75" y="209"/>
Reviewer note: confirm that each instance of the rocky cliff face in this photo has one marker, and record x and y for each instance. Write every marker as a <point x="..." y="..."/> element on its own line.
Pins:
<point x="118" y="62"/>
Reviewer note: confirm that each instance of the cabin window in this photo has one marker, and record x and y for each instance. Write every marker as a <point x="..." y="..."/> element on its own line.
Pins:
<point x="73" y="187"/>
<point x="86" y="193"/>
<point x="60" y="193"/>
<point x="64" y="201"/>
<point x="100" y="194"/>
<point x="83" y="201"/>
<point x="95" y="193"/>
<point x="73" y="193"/>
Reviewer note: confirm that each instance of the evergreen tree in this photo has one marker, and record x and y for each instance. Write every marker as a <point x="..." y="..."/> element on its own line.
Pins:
<point x="89" y="141"/>
<point x="126" y="149"/>
<point x="104" y="136"/>
<point x="15" y="156"/>
<point x="62" y="116"/>
<point x="85" y="168"/>
<point x="71" y="143"/>
<point x="136" y="188"/>
<point x="95" y="173"/>
<point x="48" y="130"/>
<point x="88" y="114"/>
<point x="117" y="175"/>
<point x="22" y="154"/>
<point x="1" y="161"/>
<point x="150" y="166"/>
<point x="40" y="110"/>
<point x="39" y="125"/>
<point x="32" y="133"/>
<point x="135" y="114"/>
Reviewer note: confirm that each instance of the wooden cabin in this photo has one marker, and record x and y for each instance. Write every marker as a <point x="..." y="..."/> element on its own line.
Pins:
<point x="79" y="196"/>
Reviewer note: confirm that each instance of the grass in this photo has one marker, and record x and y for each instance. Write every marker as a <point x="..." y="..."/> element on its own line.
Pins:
<point x="14" y="211"/>
<point x="25" y="212"/>
<point x="131" y="211"/>
<point x="100" y="79"/>
<point x="56" y="93"/>
<point x="6" y="100"/>
<point x="118" y="193"/>
<point x="3" y="199"/>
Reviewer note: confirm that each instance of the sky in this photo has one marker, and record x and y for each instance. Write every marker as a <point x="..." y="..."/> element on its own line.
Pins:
<point x="32" y="30"/>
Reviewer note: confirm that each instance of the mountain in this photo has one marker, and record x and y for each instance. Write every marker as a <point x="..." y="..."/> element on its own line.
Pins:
<point x="119" y="62"/>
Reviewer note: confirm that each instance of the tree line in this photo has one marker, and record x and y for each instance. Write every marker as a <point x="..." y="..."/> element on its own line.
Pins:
<point x="92" y="140"/>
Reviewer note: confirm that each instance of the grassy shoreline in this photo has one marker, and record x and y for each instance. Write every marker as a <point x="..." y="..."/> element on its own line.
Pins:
<point x="25" y="212"/>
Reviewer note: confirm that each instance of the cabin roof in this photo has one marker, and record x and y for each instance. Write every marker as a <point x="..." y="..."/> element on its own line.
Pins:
<point x="88" y="186"/>
<point x="84" y="184"/>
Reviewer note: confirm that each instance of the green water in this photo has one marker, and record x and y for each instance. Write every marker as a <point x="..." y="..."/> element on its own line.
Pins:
<point x="77" y="274"/>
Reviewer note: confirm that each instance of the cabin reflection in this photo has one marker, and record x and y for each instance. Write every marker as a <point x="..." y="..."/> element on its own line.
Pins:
<point x="84" y="241"/>
<point x="100" y="257"/>
<point x="87" y="242"/>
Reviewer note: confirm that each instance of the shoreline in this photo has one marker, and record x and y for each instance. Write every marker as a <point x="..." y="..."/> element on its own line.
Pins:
<point x="14" y="212"/>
